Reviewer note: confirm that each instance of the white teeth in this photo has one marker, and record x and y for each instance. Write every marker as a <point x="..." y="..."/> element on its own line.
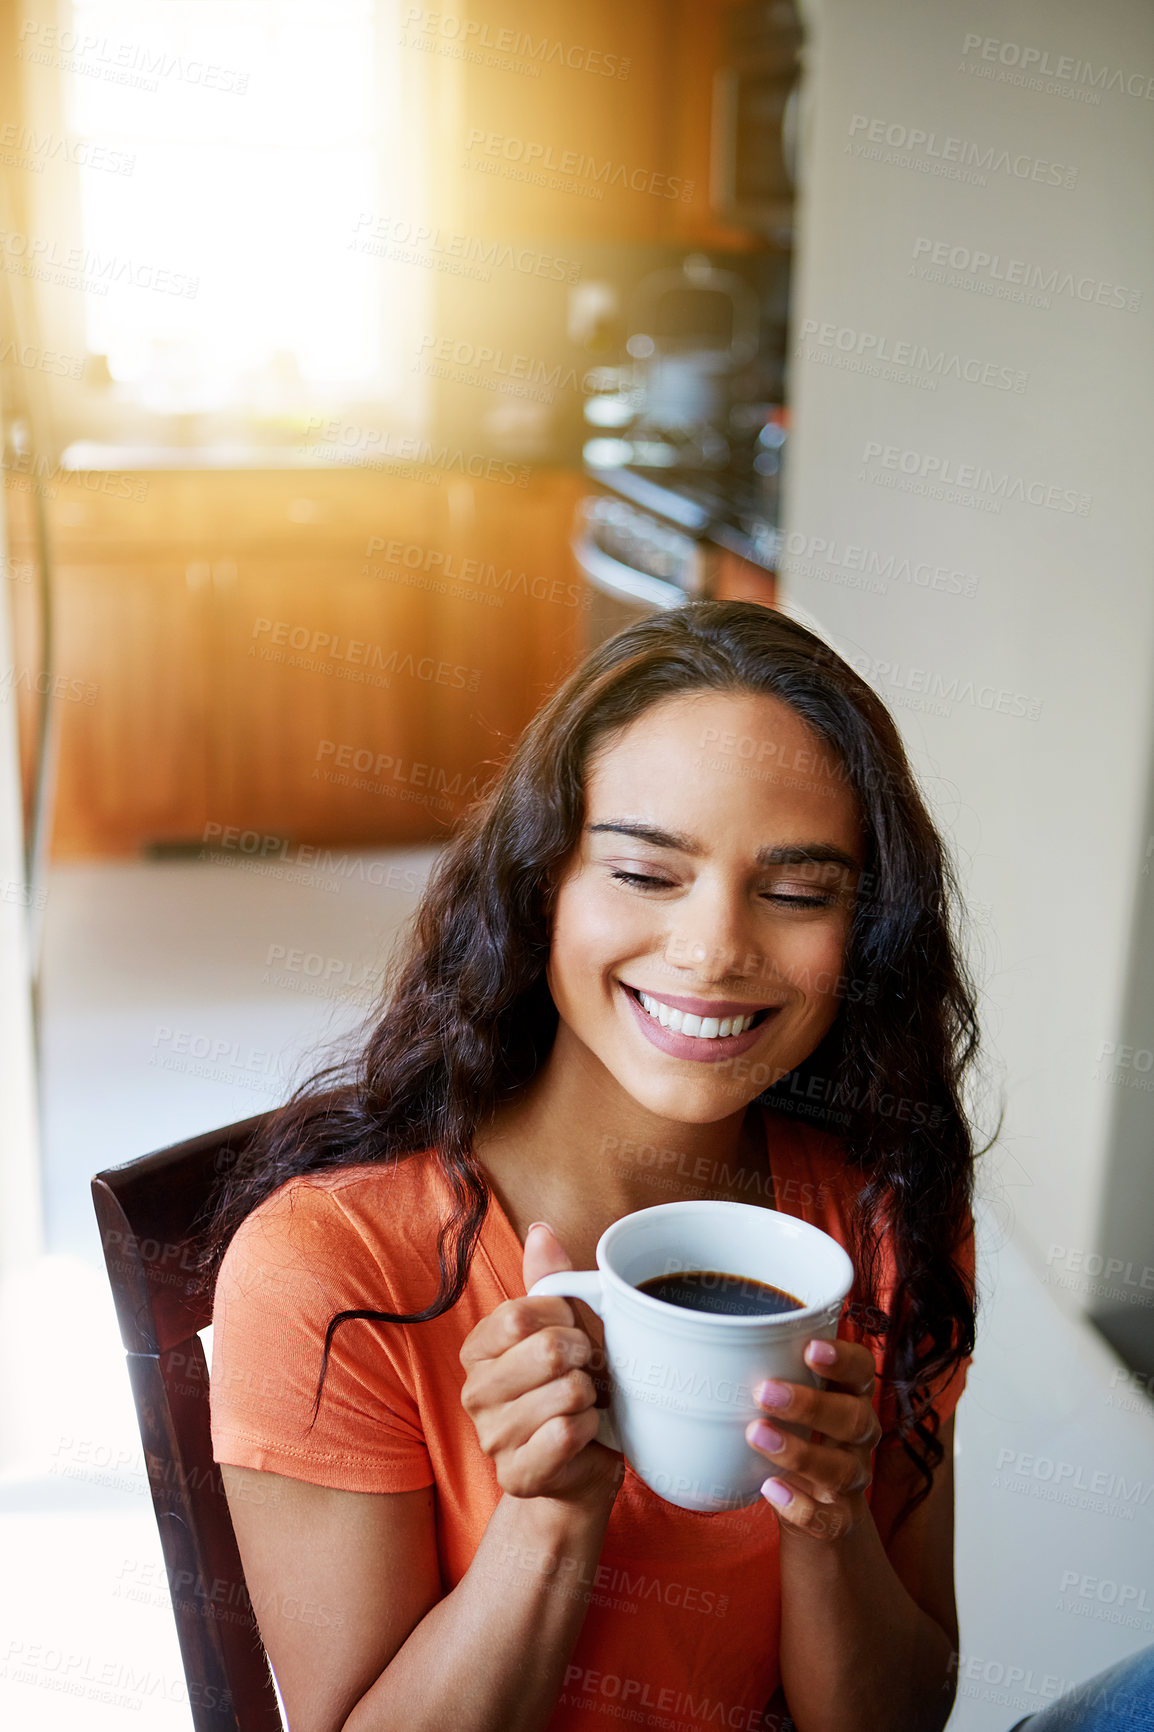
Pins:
<point x="697" y="1027"/>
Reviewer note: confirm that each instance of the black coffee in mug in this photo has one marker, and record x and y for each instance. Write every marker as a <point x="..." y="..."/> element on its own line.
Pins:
<point x="719" y="1294"/>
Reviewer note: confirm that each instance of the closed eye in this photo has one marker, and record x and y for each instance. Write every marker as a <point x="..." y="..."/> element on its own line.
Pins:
<point x="801" y="901"/>
<point x="642" y="881"/>
<point x="646" y="881"/>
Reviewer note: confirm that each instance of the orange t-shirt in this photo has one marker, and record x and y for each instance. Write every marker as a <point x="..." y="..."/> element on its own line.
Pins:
<point x="684" y="1609"/>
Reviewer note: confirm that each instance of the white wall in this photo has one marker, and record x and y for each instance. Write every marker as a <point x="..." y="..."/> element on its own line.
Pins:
<point x="1037" y="758"/>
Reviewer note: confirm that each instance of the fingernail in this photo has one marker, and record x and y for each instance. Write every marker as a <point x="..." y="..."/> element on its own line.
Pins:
<point x="823" y="1351"/>
<point x="533" y="1224"/>
<point x="763" y="1436"/>
<point x="775" y="1492"/>
<point x="773" y="1394"/>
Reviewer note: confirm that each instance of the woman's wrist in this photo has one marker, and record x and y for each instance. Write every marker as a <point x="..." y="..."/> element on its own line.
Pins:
<point x="555" y="1540"/>
<point x="586" y="1506"/>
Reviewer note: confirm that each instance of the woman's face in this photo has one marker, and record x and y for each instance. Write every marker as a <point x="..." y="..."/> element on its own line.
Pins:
<point x="713" y="881"/>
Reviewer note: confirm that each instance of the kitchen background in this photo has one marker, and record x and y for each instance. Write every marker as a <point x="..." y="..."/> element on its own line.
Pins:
<point x="360" y="366"/>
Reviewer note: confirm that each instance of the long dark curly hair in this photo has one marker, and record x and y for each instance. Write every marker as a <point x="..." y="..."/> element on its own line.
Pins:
<point x="469" y="1017"/>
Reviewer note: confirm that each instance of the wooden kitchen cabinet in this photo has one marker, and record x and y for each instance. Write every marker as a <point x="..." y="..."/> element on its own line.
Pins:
<point x="290" y="700"/>
<point x="613" y="145"/>
<point x="325" y="656"/>
<point x="133" y="638"/>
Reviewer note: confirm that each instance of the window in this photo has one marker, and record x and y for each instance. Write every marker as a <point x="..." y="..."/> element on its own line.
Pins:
<point x="247" y="148"/>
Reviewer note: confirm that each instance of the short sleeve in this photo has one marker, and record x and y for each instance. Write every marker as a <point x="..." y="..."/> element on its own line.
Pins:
<point x="293" y="1264"/>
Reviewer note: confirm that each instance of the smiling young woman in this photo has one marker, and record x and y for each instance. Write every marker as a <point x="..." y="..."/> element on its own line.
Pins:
<point x="695" y="943"/>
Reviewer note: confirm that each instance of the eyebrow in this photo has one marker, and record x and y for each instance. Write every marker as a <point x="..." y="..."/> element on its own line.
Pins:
<point x="791" y="854"/>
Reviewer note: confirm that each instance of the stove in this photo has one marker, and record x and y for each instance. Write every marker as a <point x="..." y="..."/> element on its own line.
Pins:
<point x="652" y="538"/>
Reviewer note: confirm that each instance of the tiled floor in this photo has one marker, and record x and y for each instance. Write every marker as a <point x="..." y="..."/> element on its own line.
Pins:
<point x="182" y="996"/>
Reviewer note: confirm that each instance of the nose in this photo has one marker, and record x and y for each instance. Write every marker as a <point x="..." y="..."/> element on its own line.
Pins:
<point x="712" y="937"/>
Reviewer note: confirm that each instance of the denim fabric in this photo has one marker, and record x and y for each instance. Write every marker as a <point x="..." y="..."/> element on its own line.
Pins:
<point x="1121" y="1699"/>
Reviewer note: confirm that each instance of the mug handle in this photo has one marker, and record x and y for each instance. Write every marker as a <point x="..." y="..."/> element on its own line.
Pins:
<point x="584" y="1284"/>
<point x="571" y="1284"/>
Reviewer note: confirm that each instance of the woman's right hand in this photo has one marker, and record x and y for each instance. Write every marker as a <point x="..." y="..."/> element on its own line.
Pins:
<point x="530" y="1395"/>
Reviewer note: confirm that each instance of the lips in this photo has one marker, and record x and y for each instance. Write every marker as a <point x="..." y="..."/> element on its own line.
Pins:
<point x="691" y="1027"/>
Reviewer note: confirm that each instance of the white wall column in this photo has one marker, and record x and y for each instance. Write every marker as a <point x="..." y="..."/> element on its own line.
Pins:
<point x="969" y="518"/>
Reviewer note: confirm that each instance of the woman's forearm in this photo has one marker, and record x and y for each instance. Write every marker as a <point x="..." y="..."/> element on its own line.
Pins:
<point x="857" y="1653"/>
<point x="491" y="1655"/>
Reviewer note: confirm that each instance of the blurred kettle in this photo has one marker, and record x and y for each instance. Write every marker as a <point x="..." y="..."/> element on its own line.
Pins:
<point x="691" y="328"/>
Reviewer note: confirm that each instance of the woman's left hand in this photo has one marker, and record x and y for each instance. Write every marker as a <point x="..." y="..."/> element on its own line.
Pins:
<point x="823" y="1481"/>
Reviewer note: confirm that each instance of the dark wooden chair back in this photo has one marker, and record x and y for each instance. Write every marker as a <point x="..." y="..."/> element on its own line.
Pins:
<point x="147" y="1210"/>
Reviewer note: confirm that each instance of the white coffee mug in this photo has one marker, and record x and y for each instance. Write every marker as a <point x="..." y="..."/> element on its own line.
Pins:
<point x="682" y="1381"/>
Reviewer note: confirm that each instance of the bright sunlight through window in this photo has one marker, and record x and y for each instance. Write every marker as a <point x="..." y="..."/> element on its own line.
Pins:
<point x="262" y="133"/>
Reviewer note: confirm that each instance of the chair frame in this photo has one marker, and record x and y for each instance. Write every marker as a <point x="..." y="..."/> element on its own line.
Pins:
<point x="147" y="1210"/>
